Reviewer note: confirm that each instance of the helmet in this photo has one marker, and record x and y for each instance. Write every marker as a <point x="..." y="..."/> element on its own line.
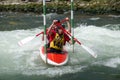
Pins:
<point x="63" y="25"/>
<point x="58" y="20"/>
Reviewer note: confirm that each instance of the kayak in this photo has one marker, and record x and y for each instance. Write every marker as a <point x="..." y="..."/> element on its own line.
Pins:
<point x="55" y="59"/>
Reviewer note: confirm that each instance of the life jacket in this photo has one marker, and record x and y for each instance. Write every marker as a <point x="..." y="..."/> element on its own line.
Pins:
<point x="57" y="42"/>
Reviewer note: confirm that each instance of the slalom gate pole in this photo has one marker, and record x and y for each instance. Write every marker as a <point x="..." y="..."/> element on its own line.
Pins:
<point x="44" y="22"/>
<point x="72" y="22"/>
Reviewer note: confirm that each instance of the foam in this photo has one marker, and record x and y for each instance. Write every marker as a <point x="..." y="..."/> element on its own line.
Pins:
<point x="26" y="60"/>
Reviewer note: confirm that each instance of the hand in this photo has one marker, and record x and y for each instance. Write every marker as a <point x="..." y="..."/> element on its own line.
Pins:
<point x="67" y="19"/>
<point x="54" y="21"/>
<point x="74" y="40"/>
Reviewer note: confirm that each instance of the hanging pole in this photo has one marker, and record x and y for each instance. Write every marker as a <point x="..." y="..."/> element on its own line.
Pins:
<point x="44" y="22"/>
<point x="72" y="22"/>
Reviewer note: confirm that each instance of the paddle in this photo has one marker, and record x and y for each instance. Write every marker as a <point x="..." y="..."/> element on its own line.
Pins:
<point x="26" y="40"/>
<point x="90" y="51"/>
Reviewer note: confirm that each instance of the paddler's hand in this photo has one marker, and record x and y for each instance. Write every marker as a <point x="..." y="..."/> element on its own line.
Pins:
<point x="67" y="19"/>
<point x="55" y="21"/>
<point x="74" y="40"/>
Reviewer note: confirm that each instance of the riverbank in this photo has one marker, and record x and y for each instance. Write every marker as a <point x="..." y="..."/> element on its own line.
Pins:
<point x="64" y="6"/>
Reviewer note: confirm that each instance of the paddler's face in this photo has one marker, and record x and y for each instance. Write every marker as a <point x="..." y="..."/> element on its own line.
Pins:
<point x="60" y="31"/>
<point x="54" y="27"/>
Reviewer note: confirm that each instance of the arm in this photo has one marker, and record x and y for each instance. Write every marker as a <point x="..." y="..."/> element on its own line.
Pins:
<point x="51" y="27"/>
<point x="68" y="24"/>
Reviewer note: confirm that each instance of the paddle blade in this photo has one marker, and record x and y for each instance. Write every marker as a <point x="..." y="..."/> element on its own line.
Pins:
<point x="22" y="42"/>
<point x="90" y="51"/>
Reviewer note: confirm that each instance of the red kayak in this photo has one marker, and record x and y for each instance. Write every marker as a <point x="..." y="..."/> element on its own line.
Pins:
<point x="56" y="59"/>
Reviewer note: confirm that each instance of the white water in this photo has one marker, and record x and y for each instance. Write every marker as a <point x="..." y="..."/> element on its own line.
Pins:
<point x="95" y="18"/>
<point x="26" y="60"/>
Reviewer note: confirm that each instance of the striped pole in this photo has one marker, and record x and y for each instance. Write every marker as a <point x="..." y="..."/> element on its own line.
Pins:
<point x="72" y="22"/>
<point x="44" y="22"/>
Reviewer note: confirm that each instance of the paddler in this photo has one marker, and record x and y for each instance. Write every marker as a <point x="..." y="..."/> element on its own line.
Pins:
<point x="57" y="39"/>
<point x="53" y="27"/>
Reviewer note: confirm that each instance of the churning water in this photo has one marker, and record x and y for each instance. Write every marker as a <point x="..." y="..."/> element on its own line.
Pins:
<point x="24" y="62"/>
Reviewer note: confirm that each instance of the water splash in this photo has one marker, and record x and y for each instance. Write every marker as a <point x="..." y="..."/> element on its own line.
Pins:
<point x="26" y="59"/>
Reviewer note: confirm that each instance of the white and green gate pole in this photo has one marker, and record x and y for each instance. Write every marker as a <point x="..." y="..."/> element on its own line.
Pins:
<point x="44" y="22"/>
<point x="72" y="22"/>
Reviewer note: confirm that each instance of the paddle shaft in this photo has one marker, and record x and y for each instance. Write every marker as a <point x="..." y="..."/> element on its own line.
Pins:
<point x="39" y="33"/>
<point x="59" y="24"/>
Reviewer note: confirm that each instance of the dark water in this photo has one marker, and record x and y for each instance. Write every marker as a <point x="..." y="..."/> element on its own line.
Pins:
<point x="100" y="33"/>
<point x="16" y="21"/>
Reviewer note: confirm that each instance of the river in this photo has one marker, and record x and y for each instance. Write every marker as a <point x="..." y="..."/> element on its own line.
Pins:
<point x="101" y="33"/>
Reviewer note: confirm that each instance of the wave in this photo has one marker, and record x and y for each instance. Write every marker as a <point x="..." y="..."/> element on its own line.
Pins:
<point x="115" y="16"/>
<point x="112" y="26"/>
<point x="110" y="62"/>
<point x="95" y="18"/>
